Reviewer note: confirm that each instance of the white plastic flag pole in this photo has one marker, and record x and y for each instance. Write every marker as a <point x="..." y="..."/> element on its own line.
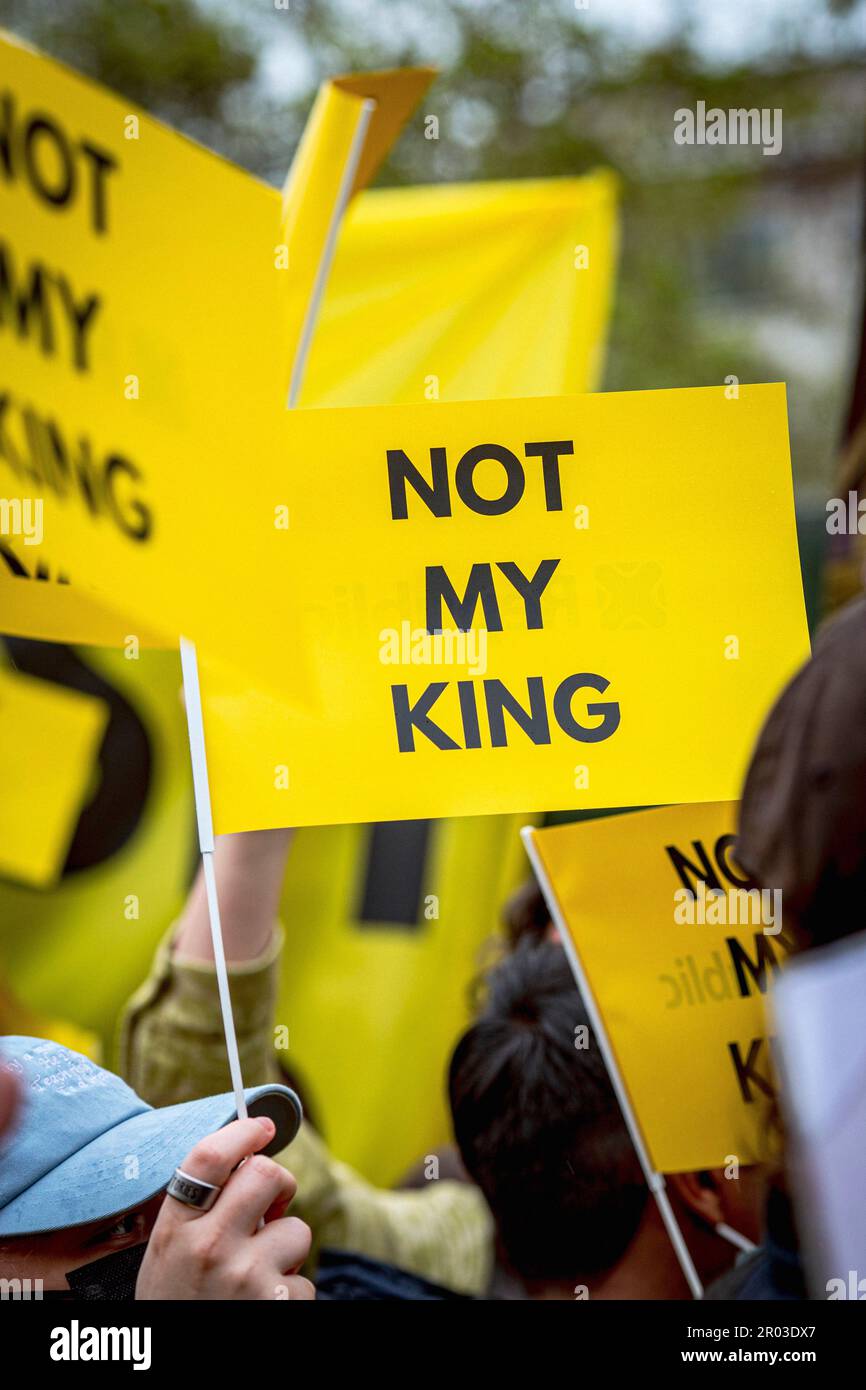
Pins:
<point x="189" y="662"/>
<point x="655" y="1181"/>
<point x="201" y="792"/>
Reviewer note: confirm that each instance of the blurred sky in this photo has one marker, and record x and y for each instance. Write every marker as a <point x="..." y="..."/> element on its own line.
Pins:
<point x="724" y="32"/>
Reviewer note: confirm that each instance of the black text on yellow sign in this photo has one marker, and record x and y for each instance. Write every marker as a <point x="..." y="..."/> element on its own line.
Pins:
<point x="68" y="174"/>
<point x="679" y="949"/>
<point x="440" y="491"/>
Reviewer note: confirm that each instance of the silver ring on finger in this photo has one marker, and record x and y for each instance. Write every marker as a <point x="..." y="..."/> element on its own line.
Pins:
<point x="193" y="1192"/>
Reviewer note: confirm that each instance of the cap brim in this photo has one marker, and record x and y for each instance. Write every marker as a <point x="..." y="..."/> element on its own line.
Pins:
<point x="132" y="1162"/>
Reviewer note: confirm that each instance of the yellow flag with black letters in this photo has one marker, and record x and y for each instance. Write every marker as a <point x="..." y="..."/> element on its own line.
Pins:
<point x="468" y="613"/>
<point x="678" y="948"/>
<point x="152" y="297"/>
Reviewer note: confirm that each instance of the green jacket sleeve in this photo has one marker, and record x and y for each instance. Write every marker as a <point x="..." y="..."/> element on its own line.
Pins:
<point x="171" y="1049"/>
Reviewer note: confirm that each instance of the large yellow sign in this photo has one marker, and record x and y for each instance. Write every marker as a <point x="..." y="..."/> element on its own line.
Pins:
<point x="121" y="321"/>
<point x="595" y="649"/>
<point x="152" y="295"/>
<point x="677" y="947"/>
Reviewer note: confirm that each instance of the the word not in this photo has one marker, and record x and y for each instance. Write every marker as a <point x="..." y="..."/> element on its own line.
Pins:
<point x="435" y="492"/>
<point x="59" y="170"/>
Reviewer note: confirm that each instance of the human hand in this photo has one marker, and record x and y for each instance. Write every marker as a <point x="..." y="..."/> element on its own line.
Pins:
<point x="222" y="1253"/>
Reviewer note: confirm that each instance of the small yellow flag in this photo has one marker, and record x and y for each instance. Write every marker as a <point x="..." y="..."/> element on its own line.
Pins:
<point x="677" y="947"/>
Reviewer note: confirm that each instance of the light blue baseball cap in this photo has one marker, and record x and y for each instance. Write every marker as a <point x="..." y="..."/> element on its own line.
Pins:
<point x="85" y="1147"/>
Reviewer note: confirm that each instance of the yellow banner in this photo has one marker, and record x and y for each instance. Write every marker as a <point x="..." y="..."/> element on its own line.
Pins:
<point x="591" y="637"/>
<point x="139" y="301"/>
<point x="48" y="743"/>
<point x="468" y="292"/>
<point x="151" y="297"/>
<point x="677" y="947"/>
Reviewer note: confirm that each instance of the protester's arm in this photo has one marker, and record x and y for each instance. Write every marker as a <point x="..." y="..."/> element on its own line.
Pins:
<point x="172" y="1049"/>
<point x="227" y="1253"/>
<point x="171" y="1043"/>
<point x="249" y="872"/>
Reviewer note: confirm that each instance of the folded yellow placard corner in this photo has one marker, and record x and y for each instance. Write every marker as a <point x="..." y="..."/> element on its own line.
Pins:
<point x="396" y="93"/>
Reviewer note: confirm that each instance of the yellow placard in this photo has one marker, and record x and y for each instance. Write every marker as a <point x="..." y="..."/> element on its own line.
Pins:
<point x="603" y="660"/>
<point x="48" y="743"/>
<point x="151" y="296"/>
<point x="677" y="947"/>
<point x="140" y="302"/>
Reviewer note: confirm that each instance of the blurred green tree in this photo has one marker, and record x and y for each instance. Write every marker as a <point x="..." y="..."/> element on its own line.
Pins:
<point x="532" y="88"/>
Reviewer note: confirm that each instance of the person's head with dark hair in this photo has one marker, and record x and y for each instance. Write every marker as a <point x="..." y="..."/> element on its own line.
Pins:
<point x="538" y="1125"/>
<point x="540" y="1131"/>
<point x="802" y="822"/>
<point x="525" y="915"/>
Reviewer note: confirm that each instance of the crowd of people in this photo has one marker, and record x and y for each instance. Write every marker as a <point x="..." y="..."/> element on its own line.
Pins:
<point x="145" y="1185"/>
